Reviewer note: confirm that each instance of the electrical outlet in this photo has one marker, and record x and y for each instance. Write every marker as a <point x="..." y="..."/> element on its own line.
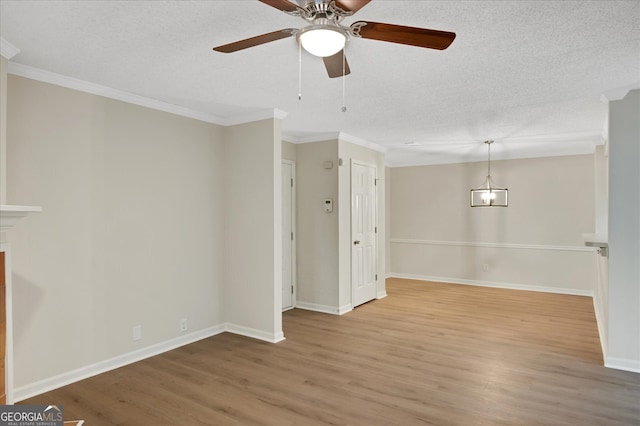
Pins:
<point x="183" y="325"/>
<point x="137" y="332"/>
<point x="485" y="267"/>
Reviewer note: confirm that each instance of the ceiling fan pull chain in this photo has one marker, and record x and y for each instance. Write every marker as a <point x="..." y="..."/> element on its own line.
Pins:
<point x="299" y="71"/>
<point x="344" y="106"/>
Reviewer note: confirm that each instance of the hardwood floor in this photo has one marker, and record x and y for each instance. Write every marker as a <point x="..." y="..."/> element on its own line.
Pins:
<point x="429" y="353"/>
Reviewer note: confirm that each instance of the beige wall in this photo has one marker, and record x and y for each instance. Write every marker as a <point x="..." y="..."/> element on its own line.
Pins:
<point x="131" y="233"/>
<point x="601" y="287"/>
<point x="148" y="218"/>
<point x="317" y="240"/>
<point x="253" y="239"/>
<point x="288" y="151"/>
<point x="4" y="63"/>
<point x="535" y="243"/>
<point x="601" y="174"/>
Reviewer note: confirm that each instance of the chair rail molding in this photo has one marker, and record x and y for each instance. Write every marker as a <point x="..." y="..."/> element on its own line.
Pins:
<point x="490" y="245"/>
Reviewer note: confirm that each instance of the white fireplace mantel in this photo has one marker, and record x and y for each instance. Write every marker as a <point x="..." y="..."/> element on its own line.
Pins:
<point x="10" y="215"/>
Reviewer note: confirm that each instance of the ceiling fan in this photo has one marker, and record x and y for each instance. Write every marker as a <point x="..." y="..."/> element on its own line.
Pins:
<point x="326" y="37"/>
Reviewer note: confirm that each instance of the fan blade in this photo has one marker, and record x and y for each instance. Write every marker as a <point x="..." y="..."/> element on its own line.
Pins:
<point x="351" y="5"/>
<point x="255" y="41"/>
<point x="421" y="37"/>
<point x="282" y="5"/>
<point x="333" y="64"/>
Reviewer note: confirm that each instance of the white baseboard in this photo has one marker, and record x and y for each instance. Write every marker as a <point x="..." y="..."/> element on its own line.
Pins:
<point x="254" y="333"/>
<point x="381" y="294"/>
<point x="51" y="383"/>
<point x="632" y="365"/>
<point x="325" y="309"/>
<point x="601" y="331"/>
<point x="345" y="308"/>
<point x="510" y="286"/>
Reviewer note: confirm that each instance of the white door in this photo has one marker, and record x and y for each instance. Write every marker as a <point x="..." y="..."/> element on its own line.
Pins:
<point x="288" y="251"/>
<point x="363" y="233"/>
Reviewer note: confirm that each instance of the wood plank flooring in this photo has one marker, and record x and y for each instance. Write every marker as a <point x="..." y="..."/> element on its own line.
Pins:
<point x="429" y="353"/>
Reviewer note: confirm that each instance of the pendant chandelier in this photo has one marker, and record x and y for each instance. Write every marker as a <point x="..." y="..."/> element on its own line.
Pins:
<point x="489" y="195"/>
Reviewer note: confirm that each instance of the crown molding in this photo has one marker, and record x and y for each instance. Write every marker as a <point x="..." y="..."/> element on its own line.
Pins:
<point x="340" y="136"/>
<point x="7" y="49"/>
<point x="265" y="114"/>
<point x="619" y="92"/>
<point x="280" y="114"/>
<point x="359" y="141"/>
<point x="395" y="158"/>
<point x="310" y="138"/>
<point x="540" y="146"/>
<point x="108" y="92"/>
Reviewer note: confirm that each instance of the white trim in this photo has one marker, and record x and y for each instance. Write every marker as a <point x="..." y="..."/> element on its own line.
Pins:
<point x="11" y="215"/>
<point x="325" y="309"/>
<point x="46" y="385"/>
<point x="317" y="137"/>
<point x="280" y="114"/>
<point x="359" y="141"/>
<point x="602" y="332"/>
<point x="254" y="333"/>
<point x="567" y="144"/>
<point x="345" y="309"/>
<point x="381" y="294"/>
<point x="330" y="136"/>
<point x="255" y="116"/>
<point x="510" y="286"/>
<point x="294" y="271"/>
<point x="632" y="365"/>
<point x="7" y="49"/>
<point x="618" y="93"/>
<point x="373" y="166"/>
<point x="8" y="360"/>
<point x="599" y="323"/>
<point x="492" y="245"/>
<point x="108" y="92"/>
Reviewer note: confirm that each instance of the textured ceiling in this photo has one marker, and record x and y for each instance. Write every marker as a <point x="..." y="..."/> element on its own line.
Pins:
<point x="529" y="74"/>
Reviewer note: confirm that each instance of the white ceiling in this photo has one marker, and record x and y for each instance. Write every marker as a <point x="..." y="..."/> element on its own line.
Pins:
<point x="529" y="74"/>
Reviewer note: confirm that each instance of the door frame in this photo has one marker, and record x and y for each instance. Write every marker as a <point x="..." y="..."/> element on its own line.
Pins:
<point x="295" y="235"/>
<point x="376" y="241"/>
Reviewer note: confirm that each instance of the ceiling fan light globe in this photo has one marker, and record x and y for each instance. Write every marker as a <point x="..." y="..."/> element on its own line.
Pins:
<point x="323" y="41"/>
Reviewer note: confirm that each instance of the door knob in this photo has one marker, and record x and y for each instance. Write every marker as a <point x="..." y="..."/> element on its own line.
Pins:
<point x="356" y="242"/>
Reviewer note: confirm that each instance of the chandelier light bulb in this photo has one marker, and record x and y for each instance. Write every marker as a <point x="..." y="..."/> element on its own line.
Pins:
<point x="487" y="197"/>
